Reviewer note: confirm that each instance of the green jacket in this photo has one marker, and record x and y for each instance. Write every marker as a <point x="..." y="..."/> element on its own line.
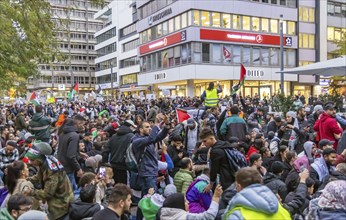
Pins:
<point x="39" y="126"/>
<point x="5" y="215"/>
<point x="56" y="190"/>
<point x="182" y="180"/>
<point x="20" y="122"/>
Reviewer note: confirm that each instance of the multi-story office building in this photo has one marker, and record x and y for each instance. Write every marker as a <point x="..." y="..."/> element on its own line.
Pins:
<point x="117" y="64"/>
<point x="186" y="44"/>
<point x="76" y="28"/>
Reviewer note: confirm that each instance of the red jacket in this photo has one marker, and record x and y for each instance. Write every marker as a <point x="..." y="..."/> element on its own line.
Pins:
<point x="326" y="126"/>
<point x="251" y="151"/>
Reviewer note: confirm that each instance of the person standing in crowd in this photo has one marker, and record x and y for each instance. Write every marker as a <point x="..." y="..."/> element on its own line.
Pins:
<point x="51" y="182"/>
<point x="39" y="124"/>
<point x="234" y="126"/>
<point x="153" y="111"/>
<point x="327" y="127"/>
<point x="115" y="149"/>
<point x="144" y="150"/>
<point x="20" y="123"/>
<point x="68" y="150"/>
<point x="210" y="96"/>
<point x="119" y="204"/>
<point x="191" y="135"/>
<point x="255" y="120"/>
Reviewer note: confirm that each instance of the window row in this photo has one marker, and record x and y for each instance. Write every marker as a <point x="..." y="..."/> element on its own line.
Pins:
<point x="106" y="35"/>
<point x="218" y="20"/>
<point x="106" y="64"/>
<point x="107" y="78"/>
<point x="131" y="45"/>
<point x="80" y="3"/>
<point x="306" y="14"/>
<point x="60" y="12"/>
<point x="127" y="30"/>
<point x="306" y="41"/>
<point x="132" y="61"/>
<point x="128" y="79"/>
<point x="222" y="54"/>
<point x="74" y="46"/>
<point x="288" y="3"/>
<point x="82" y="57"/>
<point x="336" y="9"/>
<point x="66" y="68"/>
<point x="66" y="79"/>
<point x="107" y="49"/>
<point x="152" y="7"/>
<point x="334" y="33"/>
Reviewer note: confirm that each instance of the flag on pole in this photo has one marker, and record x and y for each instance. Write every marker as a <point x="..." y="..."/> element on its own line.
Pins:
<point x="34" y="99"/>
<point x="236" y="87"/>
<point x="74" y="91"/>
<point x="182" y="115"/>
<point x="99" y="90"/>
<point x="226" y="55"/>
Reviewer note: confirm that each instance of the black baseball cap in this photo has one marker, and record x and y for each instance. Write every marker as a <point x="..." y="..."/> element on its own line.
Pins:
<point x="325" y="142"/>
<point x="329" y="107"/>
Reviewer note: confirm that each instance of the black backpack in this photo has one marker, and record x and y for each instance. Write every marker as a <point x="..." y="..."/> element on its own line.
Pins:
<point x="236" y="160"/>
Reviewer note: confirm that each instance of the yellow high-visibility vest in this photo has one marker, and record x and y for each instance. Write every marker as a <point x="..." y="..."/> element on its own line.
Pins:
<point x="211" y="98"/>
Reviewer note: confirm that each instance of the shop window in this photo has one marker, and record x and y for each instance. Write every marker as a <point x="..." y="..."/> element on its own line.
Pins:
<point x="177" y="23"/>
<point x="216" y="19"/>
<point x="227" y="54"/>
<point x="226" y="20"/>
<point x="154" y="61"/>
<point x="265" y="56"/>
<point x="236" y="22"/>
<point x="164" y="59"/>
<point x="177" y="55"/>
<point x="291" y="27"/>
<point x="255" y="25"/>
<point x="274" y="2"/>
<point x="274" y="26"/>
<point x="170" y="25"/>
<point x="185" y="53"/>
<point x="246" y="55"/>
<point x="256" y="57"/>
<point x="189" y="18"/>
<point x="164" y="28"/>
<point x="149" y="35"/>
<point x="170" y="57"/>
<point x="274" y="56"/>
<point x="159" y="60"/>
<point x="205" y="53"/>
<point x="197" y="52"/>
<point x="216" y="53"/>
<point x="265" y="25"/>
<point x="291" y="56"/>
<point x="283" y="2"/>
<point x="196" y="17"/>
<point x="246" y="23"/>
<point x="149" y="62"/>
<point x="236" y="54"/>
<point x="159" y="30"/>
<point x="205" y="18"/>
<point x="143" y="64"/>
<point x="184" y="20"/>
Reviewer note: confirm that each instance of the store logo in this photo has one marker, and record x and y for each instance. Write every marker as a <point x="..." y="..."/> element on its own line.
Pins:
<point x="160" y="76"/>
<point x="159" y="16"/>
<point x="288" y="41"/>
<point x="160" y="43"/>
<point x="259" y="39"/>
<point x="255" y="73"/>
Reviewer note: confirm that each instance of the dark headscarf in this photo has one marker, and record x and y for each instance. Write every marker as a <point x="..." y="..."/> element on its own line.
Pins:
<point x="175" y="200"/>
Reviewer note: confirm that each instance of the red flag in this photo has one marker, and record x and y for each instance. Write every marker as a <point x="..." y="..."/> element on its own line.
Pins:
<point x="242" y="74"/>
<point x="226" y="53"/>
<point x="76" y="87"/>
<point x="182" y="116"/>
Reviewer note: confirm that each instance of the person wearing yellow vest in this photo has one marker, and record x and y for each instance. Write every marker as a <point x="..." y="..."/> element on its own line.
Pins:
<point x="210" y="97"/>
<point x="256" y="201"/>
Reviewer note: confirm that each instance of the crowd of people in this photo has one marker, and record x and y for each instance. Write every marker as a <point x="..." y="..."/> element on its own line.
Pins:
<point x="232" y="158"/>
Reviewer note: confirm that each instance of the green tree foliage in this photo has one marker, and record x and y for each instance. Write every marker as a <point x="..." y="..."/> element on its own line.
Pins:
<point x="26" y="38"/>
<point x="341" y="45"/>
<point x="282" y="103"/>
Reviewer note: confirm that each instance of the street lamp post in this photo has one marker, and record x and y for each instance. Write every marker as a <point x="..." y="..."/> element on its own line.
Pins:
<point x="281" y="54"/>
<point x="112" y="78"/>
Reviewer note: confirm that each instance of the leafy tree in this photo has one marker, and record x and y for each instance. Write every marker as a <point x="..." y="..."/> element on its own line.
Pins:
<point x="282" y="103"/>
<point x="341" y="45"/>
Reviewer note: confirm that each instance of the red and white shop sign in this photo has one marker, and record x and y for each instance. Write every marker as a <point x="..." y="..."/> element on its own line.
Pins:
<point x="163" y="42"/>
<point x="240" y="37"/>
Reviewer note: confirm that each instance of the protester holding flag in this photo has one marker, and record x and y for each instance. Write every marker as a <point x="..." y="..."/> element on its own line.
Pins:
<point x="40" y="123"/>
<point x="74" y="91"/>
<point x="210" y="97"/>
<point x="236" y="87"/>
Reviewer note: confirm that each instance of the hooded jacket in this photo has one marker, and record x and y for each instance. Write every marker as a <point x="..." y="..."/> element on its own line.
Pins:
<point x="68" y="148"/>
<point x="234" y="126"/>
<point x="274" y="182"/>
<point x="116" y="148"/>
<point x="39" y="125"/>
<point x="326" y="127"/>
<point x="79" y="210"/>
<point x="198" y="200"/>
<point x="256" y="201"/>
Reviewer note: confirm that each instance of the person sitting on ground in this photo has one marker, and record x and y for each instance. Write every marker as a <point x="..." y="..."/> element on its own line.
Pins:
<point x="256" y="163"/>
<point x="176" y="207"/>
<point x="17" y="205"/>
<point x="184" y="177"/>
<point x="273" y="179"/>
<point x="33" y="214"/>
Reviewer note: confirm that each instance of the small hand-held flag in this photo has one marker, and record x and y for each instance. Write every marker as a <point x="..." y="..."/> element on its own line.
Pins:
<point x="182" y="115"/>
<point x="74" y="91"/>
<point x="236" y="87"/>
<point x="34" y="99"/>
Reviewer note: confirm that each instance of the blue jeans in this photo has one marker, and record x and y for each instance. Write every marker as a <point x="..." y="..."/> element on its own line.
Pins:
<point x="146" y="183"/>
<point x="72" y="181"/>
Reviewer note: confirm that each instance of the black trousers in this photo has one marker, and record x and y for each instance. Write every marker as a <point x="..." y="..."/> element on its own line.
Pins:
<point x="119" y="176"/>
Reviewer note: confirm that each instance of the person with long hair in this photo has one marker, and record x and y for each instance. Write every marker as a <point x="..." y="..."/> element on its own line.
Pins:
<point x="16" y="181"/>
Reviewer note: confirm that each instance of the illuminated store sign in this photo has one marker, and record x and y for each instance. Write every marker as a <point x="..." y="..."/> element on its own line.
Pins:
<point x="206" y="34"/>
<point x="163" y="42"/>
<point x="159" y="15"/>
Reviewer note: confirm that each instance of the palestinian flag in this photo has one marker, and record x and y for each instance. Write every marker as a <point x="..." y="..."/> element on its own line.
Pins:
<point x="74" y="91"/>
<point x="236" y="87"/>
<point x="182" y="115"/>
<point x="34" y="99"/>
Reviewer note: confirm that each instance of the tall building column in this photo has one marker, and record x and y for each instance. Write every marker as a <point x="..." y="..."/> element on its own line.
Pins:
<point x="190" y="88"/>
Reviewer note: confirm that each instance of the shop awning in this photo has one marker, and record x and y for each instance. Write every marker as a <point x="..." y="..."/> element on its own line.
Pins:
<point x="333" y="67"/>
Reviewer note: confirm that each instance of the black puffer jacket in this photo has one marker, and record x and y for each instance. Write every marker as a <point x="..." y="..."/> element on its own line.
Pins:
<point x="68" y="149"/>
<point x="274" y="182"/>
<point x="79" y="210"/>
<point x="116" y="148"/>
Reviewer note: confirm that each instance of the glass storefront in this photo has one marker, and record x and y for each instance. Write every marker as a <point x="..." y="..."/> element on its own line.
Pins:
<point x="265" y="89"/>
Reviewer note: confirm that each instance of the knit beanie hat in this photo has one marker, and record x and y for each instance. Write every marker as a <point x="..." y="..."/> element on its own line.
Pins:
<point x="91" y="162"/>
<point x="175" y="200"/>
<point x="277" y="167"/>
<point x="33" y="214"/>
<point x="318" y="108"/>
<point x="169" y="190"/>
<point x="150" y="206"/>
